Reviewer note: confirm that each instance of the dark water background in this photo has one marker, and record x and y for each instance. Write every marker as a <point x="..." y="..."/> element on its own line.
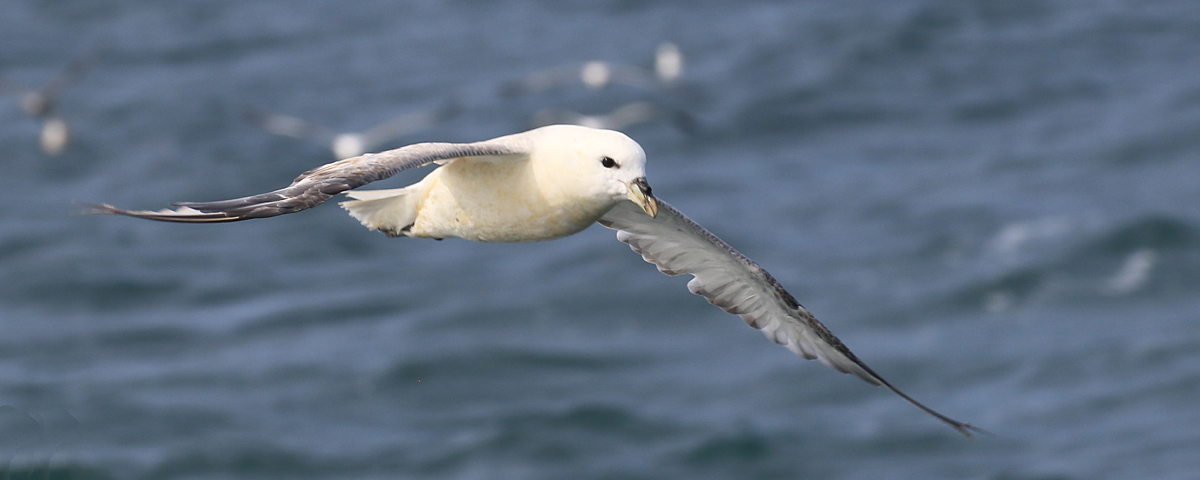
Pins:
<point x="993" y="202"/>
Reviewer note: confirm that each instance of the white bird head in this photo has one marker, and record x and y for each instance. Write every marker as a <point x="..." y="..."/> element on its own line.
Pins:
<point x="605" y="164"/>
<point x="346" y="145"/>
<point x="595" y="75"/>
<point x="55" y="136"/>
<point x="668" y="63"/>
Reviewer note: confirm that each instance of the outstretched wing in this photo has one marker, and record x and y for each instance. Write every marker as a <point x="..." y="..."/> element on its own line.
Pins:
<point x="288" y="126"/>
<point x="409" y="123"/>
<point x="739" y="286"/>
<point x="69" y="75"/>
<point x="315" y="186"/>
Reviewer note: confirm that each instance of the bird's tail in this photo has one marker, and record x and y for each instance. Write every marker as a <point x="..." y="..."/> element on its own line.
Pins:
<point x="392" y="212"/>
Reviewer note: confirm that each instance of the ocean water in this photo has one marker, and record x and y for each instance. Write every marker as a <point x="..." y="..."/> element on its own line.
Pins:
<point x="994" y="203"/>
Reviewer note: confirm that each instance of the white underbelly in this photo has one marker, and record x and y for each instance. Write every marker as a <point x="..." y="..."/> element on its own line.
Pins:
<point x="497" y="202"/>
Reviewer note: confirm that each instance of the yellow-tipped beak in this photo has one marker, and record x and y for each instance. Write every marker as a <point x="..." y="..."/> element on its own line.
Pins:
<point x="639" y="192"/>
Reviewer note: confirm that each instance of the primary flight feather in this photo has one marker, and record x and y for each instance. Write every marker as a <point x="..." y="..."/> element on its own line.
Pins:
<point x="543" y="184"/>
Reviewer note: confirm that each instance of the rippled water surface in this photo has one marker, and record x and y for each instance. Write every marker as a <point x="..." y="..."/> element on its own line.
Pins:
<point x="994" y="203"/>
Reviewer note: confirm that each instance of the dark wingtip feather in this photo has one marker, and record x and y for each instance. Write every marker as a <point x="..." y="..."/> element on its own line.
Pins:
<point x="162" y="216"/>
<point x="236" y="203"/>
<point x="966" y="429"/>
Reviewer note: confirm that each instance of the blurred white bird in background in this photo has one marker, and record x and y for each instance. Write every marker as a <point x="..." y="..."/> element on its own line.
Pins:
<point x="353" y="144"/>
<point x="620" y="118"/>
<point x="597" y="75"/>
<point x="40" y="104"/>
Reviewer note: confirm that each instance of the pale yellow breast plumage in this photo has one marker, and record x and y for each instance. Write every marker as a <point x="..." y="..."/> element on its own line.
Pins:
<point x="501" y="201"/>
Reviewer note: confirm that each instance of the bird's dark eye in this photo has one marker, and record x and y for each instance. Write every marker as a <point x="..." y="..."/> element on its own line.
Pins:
<point x="608" y="162"/>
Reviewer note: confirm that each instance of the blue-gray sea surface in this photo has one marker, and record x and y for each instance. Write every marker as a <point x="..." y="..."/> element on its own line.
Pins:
<point x="994" y="203"/>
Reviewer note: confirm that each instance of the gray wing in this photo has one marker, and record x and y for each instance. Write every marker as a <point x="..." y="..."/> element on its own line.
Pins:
<point x="70" y="75"/>
<point x="542" y="80"/>
<point x="316" y="186"/>
<point x="410" y="122"/>
<point x="620" y="118"/>
<point x="739" y="286"/>
<point x="288" y="126"/>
